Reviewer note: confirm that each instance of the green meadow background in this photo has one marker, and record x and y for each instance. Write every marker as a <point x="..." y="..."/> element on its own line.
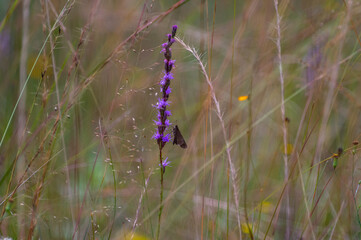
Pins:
<point x="266" y="95"/>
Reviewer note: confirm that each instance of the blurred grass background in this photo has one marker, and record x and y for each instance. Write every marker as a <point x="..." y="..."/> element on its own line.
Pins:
<point x="76" y="157"/>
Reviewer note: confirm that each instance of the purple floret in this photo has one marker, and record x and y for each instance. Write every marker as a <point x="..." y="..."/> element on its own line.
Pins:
<point x="167" y="123"/>
<point x="157" y="136"/>
<point x="166" y="138"/>
<point x="168" y="91"/>
<point x="158" y="123"/>
<point x="165" y="163"/>
<point x="168" y="76"/>
<point x="162" y="104"/>
<point x="167" y="113"/>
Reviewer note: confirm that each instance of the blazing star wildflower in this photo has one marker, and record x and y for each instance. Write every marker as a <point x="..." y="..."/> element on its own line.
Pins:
<point x="163" y="114"/>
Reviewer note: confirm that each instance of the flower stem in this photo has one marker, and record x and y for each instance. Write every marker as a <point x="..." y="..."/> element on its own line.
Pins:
<point x="161" y="191"/>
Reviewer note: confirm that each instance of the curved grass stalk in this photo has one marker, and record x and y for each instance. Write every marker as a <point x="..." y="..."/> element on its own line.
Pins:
<point x="220" y="117"/>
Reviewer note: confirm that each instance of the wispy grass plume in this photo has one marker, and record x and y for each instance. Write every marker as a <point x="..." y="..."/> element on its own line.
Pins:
<point x="220" y="117"/>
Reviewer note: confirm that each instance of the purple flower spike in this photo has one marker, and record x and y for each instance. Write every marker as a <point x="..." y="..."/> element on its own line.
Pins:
<point x="163" y="123"/>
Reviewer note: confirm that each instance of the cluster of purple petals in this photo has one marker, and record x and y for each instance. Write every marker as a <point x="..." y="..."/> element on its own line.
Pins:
<point x="162" y="122"/>
<point x="164" y="164"/>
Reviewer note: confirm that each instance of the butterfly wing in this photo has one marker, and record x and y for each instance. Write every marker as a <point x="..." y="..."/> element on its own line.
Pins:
<point x="178" y="138"/>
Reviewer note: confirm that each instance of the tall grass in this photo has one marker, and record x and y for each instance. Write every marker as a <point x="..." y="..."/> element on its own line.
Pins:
<point x="266" y="94"/>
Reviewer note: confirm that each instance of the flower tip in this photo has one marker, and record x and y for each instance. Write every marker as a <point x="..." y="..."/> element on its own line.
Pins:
<point x="174" y="30"/>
